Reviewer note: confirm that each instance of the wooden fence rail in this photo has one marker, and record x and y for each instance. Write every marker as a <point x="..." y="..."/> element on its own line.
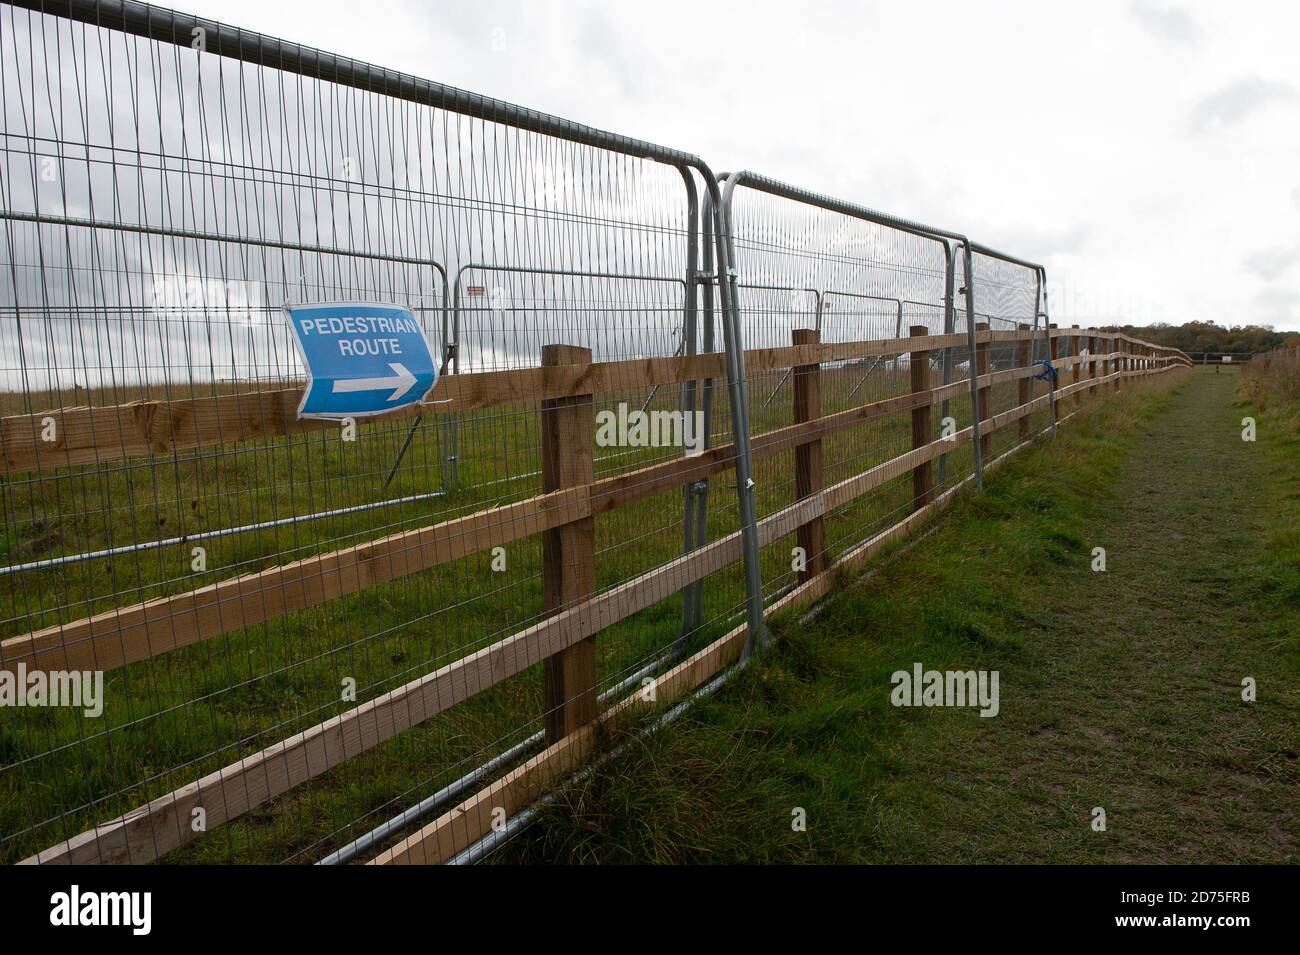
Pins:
<point x="67" y="437"/>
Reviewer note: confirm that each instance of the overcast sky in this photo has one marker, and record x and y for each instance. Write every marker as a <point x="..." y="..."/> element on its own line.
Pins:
<point x="1147" y="153"/>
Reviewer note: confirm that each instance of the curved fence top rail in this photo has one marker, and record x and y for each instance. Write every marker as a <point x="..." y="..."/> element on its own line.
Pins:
<point x="775" y="187"/>
<point x="170" y="26"/>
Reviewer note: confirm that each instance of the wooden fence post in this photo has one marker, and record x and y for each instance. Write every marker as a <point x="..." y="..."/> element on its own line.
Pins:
<point x="985" y="393"/>
<point x="568" y="551"/>
<point x="1093" y="369"/>
<point x="1117" y="346"/>
<point x="922" y="474"/>
<point x="1106" y="344"/>
<point x="808" y="457"/>
<point x="1076" y="346"/>
<point x="1022" y="391"/>
<point x="1053" y="351"/>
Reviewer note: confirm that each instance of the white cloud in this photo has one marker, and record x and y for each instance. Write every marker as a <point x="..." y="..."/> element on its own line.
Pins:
<point x="1270" y="264"/>
<point x="1169" y="24"/>
<point x="1239" y="99"/>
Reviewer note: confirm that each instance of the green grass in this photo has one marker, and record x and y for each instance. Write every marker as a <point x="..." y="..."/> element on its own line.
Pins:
<point x="1119" y="689"/>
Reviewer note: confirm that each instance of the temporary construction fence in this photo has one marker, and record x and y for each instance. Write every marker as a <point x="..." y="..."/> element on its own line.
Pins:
<point x="670" y="403"/>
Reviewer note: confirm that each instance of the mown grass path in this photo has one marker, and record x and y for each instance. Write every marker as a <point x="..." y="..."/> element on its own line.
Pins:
<point x="1134" y="698"/>
<point x="1120" y="690"/>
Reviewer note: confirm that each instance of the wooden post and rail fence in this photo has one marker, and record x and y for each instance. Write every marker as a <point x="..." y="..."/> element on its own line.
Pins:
<point x="563" y="643"/>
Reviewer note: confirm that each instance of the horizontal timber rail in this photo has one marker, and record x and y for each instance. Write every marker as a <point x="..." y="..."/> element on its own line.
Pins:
<point x="95" y="435"/>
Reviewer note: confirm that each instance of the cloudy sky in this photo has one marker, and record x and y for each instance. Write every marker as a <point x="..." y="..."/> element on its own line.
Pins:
<point x="1148" y="153"/>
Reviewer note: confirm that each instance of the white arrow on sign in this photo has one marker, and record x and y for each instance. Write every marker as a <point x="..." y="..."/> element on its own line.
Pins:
<point x="401" y="382"/>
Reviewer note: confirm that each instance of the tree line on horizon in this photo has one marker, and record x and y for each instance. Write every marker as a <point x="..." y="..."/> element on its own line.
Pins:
<point x="1211" y="337"/>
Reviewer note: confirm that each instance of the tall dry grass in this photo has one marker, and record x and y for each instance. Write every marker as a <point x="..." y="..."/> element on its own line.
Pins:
<point x="1273" y="379"/>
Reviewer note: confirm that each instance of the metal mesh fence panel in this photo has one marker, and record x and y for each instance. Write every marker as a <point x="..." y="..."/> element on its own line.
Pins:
<point x="1008" y="298"/>
<point x="850" y="281"/>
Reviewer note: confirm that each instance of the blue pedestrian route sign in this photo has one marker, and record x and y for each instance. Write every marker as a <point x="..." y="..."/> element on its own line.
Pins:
<point x="361" y="358"/>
